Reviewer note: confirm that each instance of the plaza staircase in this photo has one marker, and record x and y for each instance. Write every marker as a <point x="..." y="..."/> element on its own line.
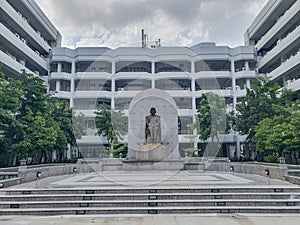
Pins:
<point x="150" y="200"/>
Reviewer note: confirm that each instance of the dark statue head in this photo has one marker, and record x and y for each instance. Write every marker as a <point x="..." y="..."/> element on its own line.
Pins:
<point x="152" y="111"/>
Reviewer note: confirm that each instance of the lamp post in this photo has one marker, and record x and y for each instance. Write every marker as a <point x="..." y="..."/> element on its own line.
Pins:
<point x="38" y="175"/>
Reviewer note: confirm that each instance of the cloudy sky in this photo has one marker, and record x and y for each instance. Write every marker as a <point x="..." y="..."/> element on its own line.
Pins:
<point x="115" y="23"/>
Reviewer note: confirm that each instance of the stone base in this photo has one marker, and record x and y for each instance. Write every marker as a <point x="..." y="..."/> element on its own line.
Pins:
<point x="152" y="152"/>
<point x="112" y="164"/>
<point x="169" y="164"/>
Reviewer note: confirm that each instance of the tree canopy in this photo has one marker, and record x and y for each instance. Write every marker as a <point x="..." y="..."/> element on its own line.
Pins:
<point x="211" y="116"/>
<point x="269" y="118"/>
<point x="260" y="102"/>
<point x="280" y="135"/>
<point x="211" y="120"/>
<point x="111" y="125"/>
<point x="32" y="123"/>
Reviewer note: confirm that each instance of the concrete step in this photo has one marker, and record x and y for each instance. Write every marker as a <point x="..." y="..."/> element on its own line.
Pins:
<point x="150" y="200"/>
<point x="144" y="196"/>
<point x="154" y="189"/>
<point x="151" y="210"/>
<point x="294" y="172"/>
<point x="154" y="203"/>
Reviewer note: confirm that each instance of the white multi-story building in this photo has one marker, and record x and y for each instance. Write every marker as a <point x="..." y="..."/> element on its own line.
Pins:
<point x="275" y="33"/>
<point x="90" y="76"/>
<point x="26" y="38"/>
<point x="87" y="77"/>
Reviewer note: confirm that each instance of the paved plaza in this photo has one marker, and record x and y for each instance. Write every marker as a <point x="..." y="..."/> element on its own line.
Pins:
<point x="150" y="178"/>
<point x="158" y="220"/>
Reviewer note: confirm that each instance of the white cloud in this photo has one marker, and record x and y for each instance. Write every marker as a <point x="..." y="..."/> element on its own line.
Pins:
<point x="115" y="23"/>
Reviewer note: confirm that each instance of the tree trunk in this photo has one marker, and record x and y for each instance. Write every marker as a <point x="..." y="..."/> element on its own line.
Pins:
<point x="247" y="151"/>
<point x="295" y="156"/>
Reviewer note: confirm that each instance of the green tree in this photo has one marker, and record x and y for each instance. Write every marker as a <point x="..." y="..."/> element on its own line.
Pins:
<point x="211" y="120"/>
<point x="79" y="126"/>
<point x="10" y="95"/>
<point x="40" y="136"/>
<point x="32" y="123"/>
<point x="34" y="94"/>
<point x="279" y="135"/>
<point x="294" y="143"/>
<point x="265" y="100"/>
<point x="258" y="105"/>
<point x="110" y="124"/>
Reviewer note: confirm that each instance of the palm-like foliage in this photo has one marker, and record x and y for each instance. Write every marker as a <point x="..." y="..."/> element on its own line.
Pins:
<point x="110" y="124"/>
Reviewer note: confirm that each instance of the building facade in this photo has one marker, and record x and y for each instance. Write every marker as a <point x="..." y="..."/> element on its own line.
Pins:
<point x="87" y="77"/>
<point x="275" y="33"/>
<point x="26" y="38"/>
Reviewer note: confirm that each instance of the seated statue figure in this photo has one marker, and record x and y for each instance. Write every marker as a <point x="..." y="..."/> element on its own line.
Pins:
<point x="152" y="128"/>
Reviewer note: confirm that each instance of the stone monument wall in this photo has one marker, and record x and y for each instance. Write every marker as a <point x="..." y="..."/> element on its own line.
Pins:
<point x="165" y="108"/>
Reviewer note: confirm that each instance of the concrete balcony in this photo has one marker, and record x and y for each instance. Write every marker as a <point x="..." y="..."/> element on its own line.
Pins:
<point x="63" y="94"/>
<point x="91" y="140"/>
<point x="60" y="76"/>
<point x="132" y="75"/>
<point x="17" y="18"/>
<point x="126" y="94"/>
<point x="92" y="94"/>
<point x="172" y="75"/>
<point x="92" y="75"/>
<point x="285" y="45"/>
<point x="96" y="140"/>
<point x="281" y="23"/>
<point x="90" y="113"/>
<point x="223" y="138"/>
<point x="13" y="64"/>
<point x="179" y="93"/>
<point x="27" y="52"/>
<point x="187" y="112"/>
<point x="285" y="67"/>
<point x="294" y="85"/>
<point x="182" y="138"/>
<point x="241" y="93"/>
<point x="220" y="92"/>
<point x="245" y="74"/>
<point x="212" y="74"/>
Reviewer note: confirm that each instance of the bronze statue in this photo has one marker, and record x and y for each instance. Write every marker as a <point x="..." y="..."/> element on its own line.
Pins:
<point x="152" y="128"/>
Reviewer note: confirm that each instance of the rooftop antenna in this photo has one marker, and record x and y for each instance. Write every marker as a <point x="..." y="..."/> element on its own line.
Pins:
<point x="144" y="39"/>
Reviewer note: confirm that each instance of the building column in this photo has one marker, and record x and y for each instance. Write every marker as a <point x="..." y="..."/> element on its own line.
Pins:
<point x="246" y="65"/>
<point x="153" y="73"/>
<point x="234" y="100"/>
<point x="58" y="85"/>
<point x="113" y="67"/>
<point x="233" y="84"/>
<point x="193" y="85"/>
<point x="72" y="88"/>
<point x="113" y="89"/>
<point x="152" y="83"/>
<point x="248" y="83"/>
<point x="152" y="67"/>
<point x="193" y="67"/>
<point x="195" y="133"/>
<point x="193" y="89"/>
<point x="59" y="66"/>
<point x="113" y="84"/>
<point x="194" y="106"/>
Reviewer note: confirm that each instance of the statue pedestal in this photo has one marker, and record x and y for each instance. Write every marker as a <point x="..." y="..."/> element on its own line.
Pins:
<point x="152" y="152"/>
<point x="153" y="157"/>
